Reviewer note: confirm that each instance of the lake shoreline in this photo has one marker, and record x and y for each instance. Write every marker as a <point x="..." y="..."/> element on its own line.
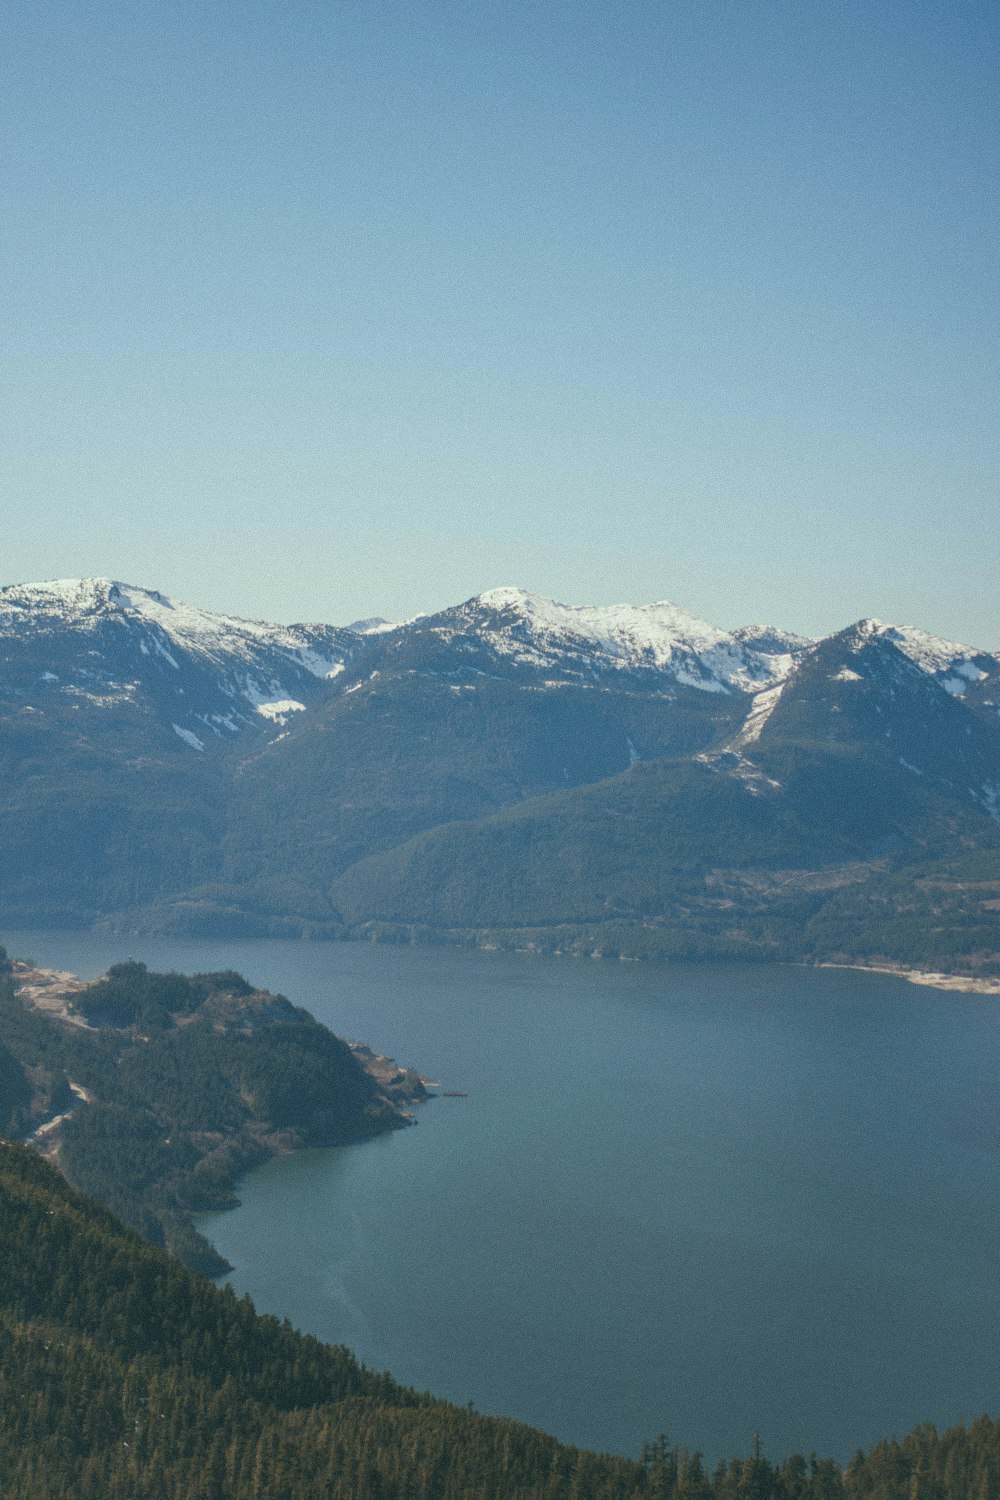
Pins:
<point x="727" y="1165"/>
<point x="965" y="984"/>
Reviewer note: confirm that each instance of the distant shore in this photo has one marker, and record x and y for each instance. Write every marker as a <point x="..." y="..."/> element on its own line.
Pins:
<point x="965" y="983"/>
<point x="49" y="986"/>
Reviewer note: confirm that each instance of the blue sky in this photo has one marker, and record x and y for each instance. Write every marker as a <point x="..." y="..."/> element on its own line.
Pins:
<point x="315" y="310"/>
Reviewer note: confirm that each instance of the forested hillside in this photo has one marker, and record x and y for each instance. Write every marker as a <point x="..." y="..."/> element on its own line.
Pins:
<point x="125" y="1376"/>
<point x="674" y="860"/>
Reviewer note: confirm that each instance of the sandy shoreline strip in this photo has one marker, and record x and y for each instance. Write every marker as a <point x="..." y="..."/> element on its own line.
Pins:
<point x="968" y="984"/>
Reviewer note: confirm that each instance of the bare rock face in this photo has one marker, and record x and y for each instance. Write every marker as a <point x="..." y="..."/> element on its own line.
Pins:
<point x="401" y="1085"/>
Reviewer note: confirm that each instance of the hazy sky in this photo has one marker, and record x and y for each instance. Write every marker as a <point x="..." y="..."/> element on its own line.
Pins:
<point x="315" y="310"/>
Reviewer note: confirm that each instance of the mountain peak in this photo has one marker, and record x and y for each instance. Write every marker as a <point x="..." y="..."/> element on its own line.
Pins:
<point x="72" y="596"/>
<point x="772" y="640"/>
<point x="952" y="665"/>
<point x="105" y="643"/>
<point x="592" y="641"/>
<point x="606" y="622"/>
<point x="56" y="593"/>
<point x="506" y="596"/>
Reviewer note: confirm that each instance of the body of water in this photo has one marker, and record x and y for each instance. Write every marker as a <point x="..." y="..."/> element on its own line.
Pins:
<point x="703" y="1200"/>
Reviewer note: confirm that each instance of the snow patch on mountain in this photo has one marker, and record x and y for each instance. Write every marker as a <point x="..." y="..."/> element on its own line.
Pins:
<point x="115" y="694"/>
<point x="280" y="710"/>
<point x="989" y="796"/>
<point x="761" y="709"/>
<point x="188" y="736"/>
<point x="161" y="650"/>
<point x="932" y="654"/>
<point x="957" y="683"/>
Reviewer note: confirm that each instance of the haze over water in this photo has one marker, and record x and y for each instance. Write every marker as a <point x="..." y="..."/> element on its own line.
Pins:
<point x="706" y="1200"/>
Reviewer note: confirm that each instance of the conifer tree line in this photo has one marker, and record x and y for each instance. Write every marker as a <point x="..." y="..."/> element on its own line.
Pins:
<point x="126" y="1376"/>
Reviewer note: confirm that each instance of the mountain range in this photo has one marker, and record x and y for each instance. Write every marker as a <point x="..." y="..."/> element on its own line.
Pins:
<point x="626" y="780"/>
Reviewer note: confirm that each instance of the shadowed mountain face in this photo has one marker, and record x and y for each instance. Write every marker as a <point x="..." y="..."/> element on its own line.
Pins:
<point x="510" y="762"/>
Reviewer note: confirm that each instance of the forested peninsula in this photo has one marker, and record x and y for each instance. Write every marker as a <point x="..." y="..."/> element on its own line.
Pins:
<point x="154" y="1093"/>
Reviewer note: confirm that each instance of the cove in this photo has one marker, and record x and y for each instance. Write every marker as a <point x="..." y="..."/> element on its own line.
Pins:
<point x="706" y="1200"/>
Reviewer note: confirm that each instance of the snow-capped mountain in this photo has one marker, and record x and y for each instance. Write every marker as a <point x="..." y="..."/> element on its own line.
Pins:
<point x="653" y="646"/>
<point x="849" y="807"/>
<point x="953" y="667"/>
<point x="930" y="702"/>
<point x="897" y="672"/>
<point x="95" y="643"/>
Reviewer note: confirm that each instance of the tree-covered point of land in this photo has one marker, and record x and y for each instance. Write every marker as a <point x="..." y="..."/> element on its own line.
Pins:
<point x="189" y="1082"/>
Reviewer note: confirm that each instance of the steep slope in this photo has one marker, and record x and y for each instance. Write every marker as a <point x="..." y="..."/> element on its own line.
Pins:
<point x="403" y="748"/>
<point x="100" y="810"/>
<point x="188" y="1082"/>
<point x="621" y="847"/>
<point x="124" y="1376"/>
<point x="875" y="684"/>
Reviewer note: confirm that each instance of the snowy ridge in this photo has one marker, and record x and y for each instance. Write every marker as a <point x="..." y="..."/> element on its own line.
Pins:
<point x="773" y="641"/>
<point x="212" y="675"/>
<point x="376" y="625"/>
<point x="211" y="671"/>
<point x="79" y="602"/>
<point x="660" y="638"/>
<point x="952" y="665"/>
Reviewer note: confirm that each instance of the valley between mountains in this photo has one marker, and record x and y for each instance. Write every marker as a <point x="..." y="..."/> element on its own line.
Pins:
<point x="627" y="781"/>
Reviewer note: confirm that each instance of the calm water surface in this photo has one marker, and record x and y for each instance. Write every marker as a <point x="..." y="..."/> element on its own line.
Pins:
<point x="705" y="1200"/>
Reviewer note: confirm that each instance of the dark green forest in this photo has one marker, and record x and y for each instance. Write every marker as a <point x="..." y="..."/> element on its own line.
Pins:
<point x="126" y="1376"/>
<point x="616" y="870"/>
